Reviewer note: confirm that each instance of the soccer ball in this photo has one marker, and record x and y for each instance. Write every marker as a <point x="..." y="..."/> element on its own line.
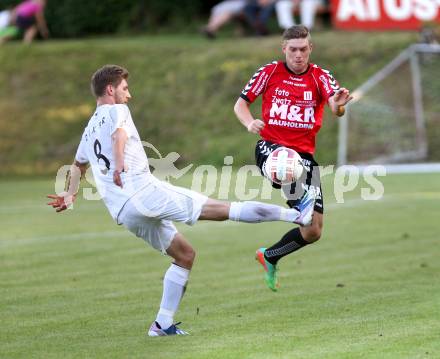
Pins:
<point x="283" y="166"/>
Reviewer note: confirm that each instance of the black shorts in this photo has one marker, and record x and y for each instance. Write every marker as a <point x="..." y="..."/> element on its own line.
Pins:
<point x="24" y="23"/>
<point x="294" y="191"/>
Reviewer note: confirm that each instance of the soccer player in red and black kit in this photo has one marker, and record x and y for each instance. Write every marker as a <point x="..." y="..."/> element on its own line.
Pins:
<point x="294" y="94"/>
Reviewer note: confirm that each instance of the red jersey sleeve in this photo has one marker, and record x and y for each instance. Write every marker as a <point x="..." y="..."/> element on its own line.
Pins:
<point x="258" y="82"/>
<point x="327" y="84"/>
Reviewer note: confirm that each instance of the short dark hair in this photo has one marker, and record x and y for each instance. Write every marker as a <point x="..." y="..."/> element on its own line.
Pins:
<point x="296" y="32"/>
<point x="107" y="75"/>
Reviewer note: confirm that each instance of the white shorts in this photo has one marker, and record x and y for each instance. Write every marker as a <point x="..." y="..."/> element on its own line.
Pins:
<point x="150" y="212"/>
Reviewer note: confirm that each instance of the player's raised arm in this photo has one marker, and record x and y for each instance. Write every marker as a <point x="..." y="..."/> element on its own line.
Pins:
<point x="249" y="94"/>
<point x="339" y="100"/>
<point x="64" y="200"/>
<point x="244" y="114"/>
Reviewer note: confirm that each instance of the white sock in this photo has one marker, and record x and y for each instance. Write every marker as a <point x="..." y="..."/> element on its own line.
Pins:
<point x="174" y="284"/>
<point x="254" y="212"/>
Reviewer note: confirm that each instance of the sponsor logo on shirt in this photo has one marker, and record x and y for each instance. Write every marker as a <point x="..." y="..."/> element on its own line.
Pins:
<point x="284" y="123"/>
<point x="331" y="80"/>
<point x="308" y="95"/>
<point x="292" y="113"/>
<point x="324" y="81"/>
<point x="260" y="84"/>
<point x="291" y="83"/>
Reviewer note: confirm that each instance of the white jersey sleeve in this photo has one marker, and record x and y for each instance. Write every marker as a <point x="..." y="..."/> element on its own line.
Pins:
<point x="120" y="118"/>
<point x="81" y="153"/>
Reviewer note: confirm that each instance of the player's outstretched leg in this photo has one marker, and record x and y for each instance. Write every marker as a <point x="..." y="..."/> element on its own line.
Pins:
<point x="256" y="212"/>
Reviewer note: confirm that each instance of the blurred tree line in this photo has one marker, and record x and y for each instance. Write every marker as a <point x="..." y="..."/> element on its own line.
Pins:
<point x="76" y="18"/>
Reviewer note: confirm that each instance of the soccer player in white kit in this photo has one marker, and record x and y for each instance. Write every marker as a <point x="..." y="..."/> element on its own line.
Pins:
<point x="146" y="206"/>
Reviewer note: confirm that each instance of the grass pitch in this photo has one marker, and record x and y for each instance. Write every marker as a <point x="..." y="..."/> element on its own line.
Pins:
<point x="75" y="285"/>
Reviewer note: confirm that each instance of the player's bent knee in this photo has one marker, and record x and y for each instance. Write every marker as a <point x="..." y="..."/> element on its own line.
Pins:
<point x="185" y="258"/>
<point x="182" y="252"/>
<point x="311" y="234"/>
<point x="190" y="255"/>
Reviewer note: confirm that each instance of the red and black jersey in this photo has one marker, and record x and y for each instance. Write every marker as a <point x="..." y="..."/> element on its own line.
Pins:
<point x="293" y="104"/>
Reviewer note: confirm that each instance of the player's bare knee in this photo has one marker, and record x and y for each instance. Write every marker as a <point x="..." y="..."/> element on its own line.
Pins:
<point x="185" y="258"/>
<point x="190" y="255"/>
<point x="181" y="251"/>
<point x="311" y="234"/>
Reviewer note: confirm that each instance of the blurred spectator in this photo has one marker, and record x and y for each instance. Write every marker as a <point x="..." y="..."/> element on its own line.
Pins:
<point x="257" y="13"/>
<point x="7" y="29"/>
<point x="307" y="9"/>
<point x="221" y="14"/>
<point x="5" y="18"/>
<point x="30" y="19"/>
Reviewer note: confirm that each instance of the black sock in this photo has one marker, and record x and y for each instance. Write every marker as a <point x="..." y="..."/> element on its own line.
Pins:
<point x="291" y="242"/>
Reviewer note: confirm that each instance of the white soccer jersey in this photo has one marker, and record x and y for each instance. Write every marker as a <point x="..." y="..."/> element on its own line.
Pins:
<point x="95" y="148"/>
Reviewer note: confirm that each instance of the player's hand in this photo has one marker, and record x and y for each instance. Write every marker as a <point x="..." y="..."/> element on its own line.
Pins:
<point x="61" y="201"/>
<point x="117" y="178"/>
<point x="342" y="97"/>
<point x="255" y="126"/>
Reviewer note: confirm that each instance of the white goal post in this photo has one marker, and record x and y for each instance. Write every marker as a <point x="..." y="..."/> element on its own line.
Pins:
<point x="389" y="118"/>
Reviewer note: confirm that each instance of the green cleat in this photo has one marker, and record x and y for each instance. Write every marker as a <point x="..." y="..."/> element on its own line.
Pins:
<point x="270" y="269"/>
